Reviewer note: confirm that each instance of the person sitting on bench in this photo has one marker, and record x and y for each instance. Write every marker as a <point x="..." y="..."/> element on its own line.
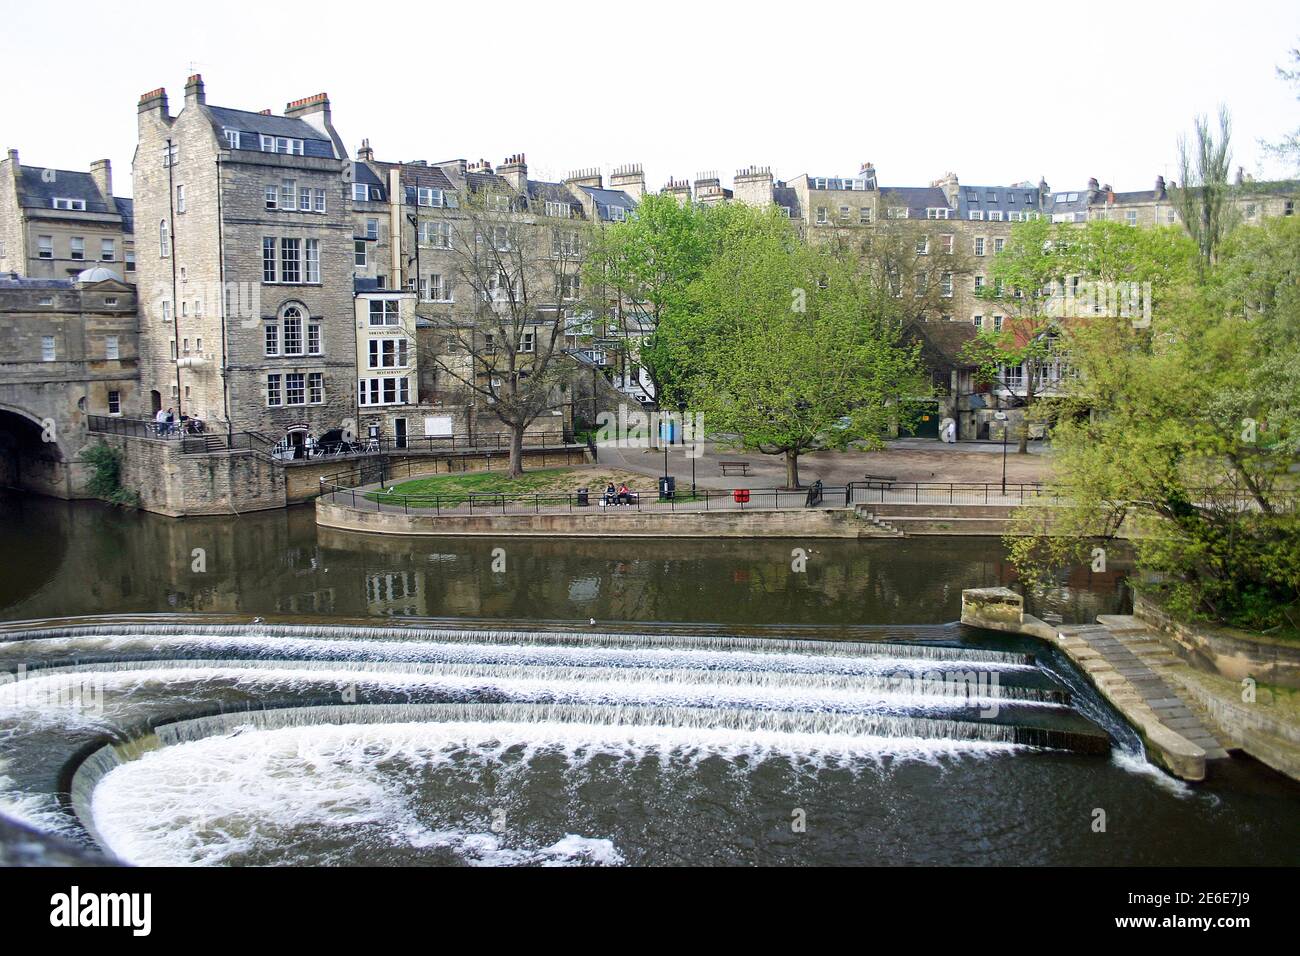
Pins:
<point x="624" y="494"/>
<point x="611" y="496"/>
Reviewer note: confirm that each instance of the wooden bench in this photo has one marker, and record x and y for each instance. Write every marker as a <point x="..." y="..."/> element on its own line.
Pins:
<point x="884" y="481"/>
<point x="728" y="465"/>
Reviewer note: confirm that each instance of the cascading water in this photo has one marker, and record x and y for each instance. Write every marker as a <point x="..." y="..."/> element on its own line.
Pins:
<point x="175" y="743"/>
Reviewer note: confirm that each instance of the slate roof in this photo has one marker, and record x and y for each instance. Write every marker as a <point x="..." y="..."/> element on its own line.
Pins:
<point x="35" y="192"/>
<point x="785" y="196"/>
<point x="542" y="192"/>
<point x="362" y="173"/>
<point x="11" y="280"/>
<point x="1068" y="202"/>
<point x="943" y="341"/>
<point x="126" y="209"/>
<point x="997" y="198"/>
<point x="604" y="198"/>
<point x="917" y="199"/>
<point x="256" y="124"/>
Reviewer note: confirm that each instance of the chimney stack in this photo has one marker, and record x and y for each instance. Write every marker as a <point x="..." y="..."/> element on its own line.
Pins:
<point x="868" y="172"/>
<point x="1161" y="191"/>
<point x="365" y="154"/>
<point x="101" y="171"/>
<point x="155" y="102"/>
<point x="515" y="171"/>
<point x="299" y="109"/>
<point x="194" y="91"/>
<point x="585" y="177"/>
<point x="630" y="179"/>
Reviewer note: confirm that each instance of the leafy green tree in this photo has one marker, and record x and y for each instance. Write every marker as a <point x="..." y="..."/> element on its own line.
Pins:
<point x="638" y="272"/>
<point x="1193" y="435"/>
<point x="800" y="347"/>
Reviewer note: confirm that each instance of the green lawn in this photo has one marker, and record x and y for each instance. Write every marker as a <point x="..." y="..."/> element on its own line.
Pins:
<point x="455" y="489"/>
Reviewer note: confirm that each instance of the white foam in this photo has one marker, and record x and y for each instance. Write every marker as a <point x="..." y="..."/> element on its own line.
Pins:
<point x="211" y="800"/>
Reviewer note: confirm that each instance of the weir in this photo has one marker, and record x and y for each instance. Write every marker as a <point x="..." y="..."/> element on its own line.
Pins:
<point x="162" y="689"/>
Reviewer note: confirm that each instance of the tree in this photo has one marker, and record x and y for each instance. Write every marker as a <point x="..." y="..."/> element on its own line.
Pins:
<point x="1028" y="277"/>
<point x="1195" y="438"/>
<point x="521" y="270"/>
<point x="637" y="273"/>
<point x="1203" y="200"/>
<point x="801" y="349"/>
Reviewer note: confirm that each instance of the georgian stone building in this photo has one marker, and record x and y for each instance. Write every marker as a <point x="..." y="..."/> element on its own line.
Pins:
<point x="55" y="223"/>
<point x="70" y="352"/>
<point x="246" y="266"/>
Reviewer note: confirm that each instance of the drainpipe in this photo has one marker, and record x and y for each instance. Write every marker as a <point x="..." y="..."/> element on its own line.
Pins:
<point x="176" y="303"/>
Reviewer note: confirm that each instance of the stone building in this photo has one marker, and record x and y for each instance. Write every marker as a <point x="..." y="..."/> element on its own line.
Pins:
<point x="247" y="300"/>
<point x="55" y="223"/>
<point x="70" y="352"/>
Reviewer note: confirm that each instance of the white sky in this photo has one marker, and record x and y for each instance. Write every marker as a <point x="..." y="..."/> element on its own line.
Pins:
<point x="997" y="92"/>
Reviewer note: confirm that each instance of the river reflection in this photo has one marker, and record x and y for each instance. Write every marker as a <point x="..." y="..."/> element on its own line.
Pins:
<point x="67" y="558"/>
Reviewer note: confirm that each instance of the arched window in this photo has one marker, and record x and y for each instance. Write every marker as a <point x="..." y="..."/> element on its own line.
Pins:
<point x="291" y="320"/>
<point x="164" y="239"/>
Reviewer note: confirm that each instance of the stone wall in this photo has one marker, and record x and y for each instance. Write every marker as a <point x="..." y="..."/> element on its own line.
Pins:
<point x="816" y="523"/>
<point x="175" y="484"/>
<point x="1235" y="654"/>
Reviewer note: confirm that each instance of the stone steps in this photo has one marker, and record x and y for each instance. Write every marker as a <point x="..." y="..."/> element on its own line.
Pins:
<point x="1137" y="654"/>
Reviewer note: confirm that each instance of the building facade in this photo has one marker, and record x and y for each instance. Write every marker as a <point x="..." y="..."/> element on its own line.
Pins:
<point x="247" y="297"/>
<point x="56" y="223"/>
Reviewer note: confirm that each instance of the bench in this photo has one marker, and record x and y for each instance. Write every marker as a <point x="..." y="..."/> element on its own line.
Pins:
<point x="728" y="465"/>
<point x="633" y="498"/>
<point x="884" y="481"/>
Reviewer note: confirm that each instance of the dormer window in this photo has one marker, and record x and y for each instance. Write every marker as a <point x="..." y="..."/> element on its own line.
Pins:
<point x="560" y="210"/>
<point x="617" y="213"/>
<point x="62" y="202"/>
<point x="232" y="138"/>
<point x="425" y="196"/>
<point x="362" y="193"/>
<point x="281" y="144"/>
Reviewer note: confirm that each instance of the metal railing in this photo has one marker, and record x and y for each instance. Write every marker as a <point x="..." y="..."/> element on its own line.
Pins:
<point x="470" y="503"/>
<point x="877" y="492"/>
<point x="194" y="442"/>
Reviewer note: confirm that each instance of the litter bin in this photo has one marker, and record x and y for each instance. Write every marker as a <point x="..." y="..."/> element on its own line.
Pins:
<point x="667" y="488"/>
<point x="740" y="496"/>
<point x="583" y="500"/>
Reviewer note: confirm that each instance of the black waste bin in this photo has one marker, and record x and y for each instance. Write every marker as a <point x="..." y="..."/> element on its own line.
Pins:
<point x="667" y="488"/>
<point x="583" y="500"/>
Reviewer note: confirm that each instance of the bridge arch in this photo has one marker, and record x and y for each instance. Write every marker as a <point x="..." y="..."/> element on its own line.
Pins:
<point x="34" y="451"/>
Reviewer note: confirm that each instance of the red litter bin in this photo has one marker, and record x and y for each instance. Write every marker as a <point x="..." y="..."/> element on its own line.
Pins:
<point x="741" y="496"/>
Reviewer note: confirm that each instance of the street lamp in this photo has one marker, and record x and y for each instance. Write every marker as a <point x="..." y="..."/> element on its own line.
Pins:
<point x="1002" y="417"/>
<point x="681" y="407"/>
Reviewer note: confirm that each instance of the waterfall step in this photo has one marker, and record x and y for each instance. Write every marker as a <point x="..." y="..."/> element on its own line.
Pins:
<point x="1126" y="659"/>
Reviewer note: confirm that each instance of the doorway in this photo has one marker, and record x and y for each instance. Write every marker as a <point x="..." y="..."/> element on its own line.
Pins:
<point x="399" y="432"/>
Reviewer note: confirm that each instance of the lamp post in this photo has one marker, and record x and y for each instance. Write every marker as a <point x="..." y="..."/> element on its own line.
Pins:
<point x="681" y="407"/>
<point x="1002" y="417"/>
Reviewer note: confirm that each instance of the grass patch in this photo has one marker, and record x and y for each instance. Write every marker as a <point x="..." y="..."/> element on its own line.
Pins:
<point x="455" y="489"/>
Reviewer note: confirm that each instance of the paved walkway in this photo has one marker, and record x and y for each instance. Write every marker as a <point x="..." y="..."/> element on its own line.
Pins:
<point x="1126" y="660"/>
<point x="912" y="459"/>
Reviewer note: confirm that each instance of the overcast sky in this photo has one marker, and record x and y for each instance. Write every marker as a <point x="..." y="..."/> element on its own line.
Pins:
<point x="997" y="92"/>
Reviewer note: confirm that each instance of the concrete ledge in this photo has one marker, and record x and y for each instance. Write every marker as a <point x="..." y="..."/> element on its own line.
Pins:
<point x="751" y="523"/>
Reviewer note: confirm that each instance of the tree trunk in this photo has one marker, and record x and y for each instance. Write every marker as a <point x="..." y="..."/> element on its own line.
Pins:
<point x="516" y="450"/>
<point x="1023" y="447"/>
<point x="792" y="468"/>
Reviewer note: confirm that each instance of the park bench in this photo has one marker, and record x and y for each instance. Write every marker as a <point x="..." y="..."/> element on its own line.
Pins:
<point x="884" y="481"/>
<point x="727" y="466"/>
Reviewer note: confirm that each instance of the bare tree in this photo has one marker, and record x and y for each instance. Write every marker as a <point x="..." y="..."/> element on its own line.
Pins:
<point x="520" y="270"/>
